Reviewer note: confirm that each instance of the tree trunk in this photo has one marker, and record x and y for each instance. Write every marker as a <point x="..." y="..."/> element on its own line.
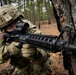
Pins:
<point x="5" y="2"/>
<point x="47" y="5"/>
<point x="49" y="16"/>
<point x="1" y="3"/>
<point x="24" y="9"/>
<point x="33" y="11"/>
<point x="38" y="5"/>
<point x="19" y="5"/>
<point x="9" y="1"/>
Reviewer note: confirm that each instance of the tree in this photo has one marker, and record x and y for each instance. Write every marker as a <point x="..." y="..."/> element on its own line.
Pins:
<point x="24" y="9"/>
<point x="33" y="11"/>
<point x="47" y="6"/>
<point x="38" y="9"/>
<point x="1" y="3"/>
<point x="19" y="5"/>
<point x="6" y="2"/>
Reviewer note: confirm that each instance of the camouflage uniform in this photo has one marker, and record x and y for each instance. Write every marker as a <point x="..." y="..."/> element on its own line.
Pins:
<point x="34" y="61"/>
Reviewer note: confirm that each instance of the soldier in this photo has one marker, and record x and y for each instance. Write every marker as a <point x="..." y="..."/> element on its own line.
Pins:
<point x="33" y="61"/>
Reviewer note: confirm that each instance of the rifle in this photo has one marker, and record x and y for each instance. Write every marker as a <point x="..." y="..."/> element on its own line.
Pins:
<point x="47" y="42"/>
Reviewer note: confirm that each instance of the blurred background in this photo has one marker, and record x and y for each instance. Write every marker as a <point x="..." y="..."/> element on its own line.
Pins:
<point x="37" y="11"/>
<point x="40" y="13"/>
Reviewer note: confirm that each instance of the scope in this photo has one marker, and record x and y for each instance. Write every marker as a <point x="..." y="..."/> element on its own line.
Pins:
<point x="21" y="27"/>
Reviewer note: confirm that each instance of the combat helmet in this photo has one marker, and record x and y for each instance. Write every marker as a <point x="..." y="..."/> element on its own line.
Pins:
<point x="8" y="14"/>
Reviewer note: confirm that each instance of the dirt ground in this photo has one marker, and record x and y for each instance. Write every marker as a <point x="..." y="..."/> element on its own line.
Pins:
<point x="49" y="29"/>
<point x="57" y="66"/>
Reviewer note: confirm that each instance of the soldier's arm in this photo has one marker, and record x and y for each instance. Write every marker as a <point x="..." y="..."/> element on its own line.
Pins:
<point x="44" y="56"/>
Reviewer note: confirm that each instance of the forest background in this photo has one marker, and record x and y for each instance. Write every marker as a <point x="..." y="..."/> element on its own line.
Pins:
<point x="40" y="13"/>
<point x="34" y="10"/>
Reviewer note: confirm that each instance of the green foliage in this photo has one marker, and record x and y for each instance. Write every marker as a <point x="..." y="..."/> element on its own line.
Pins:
<point x="35" y="7"/>
<point x="51" y="11"/>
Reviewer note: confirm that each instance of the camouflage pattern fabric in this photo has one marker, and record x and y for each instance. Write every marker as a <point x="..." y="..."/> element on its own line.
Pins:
<point x="38" y="61"/>
<point x="28" y="60"/>
<point x="8" y="13"/>
<point x="34" y="69"/>
<point x="1" y="46"/>
<point x="40" y="66"/>
<point x="34" y="61"/>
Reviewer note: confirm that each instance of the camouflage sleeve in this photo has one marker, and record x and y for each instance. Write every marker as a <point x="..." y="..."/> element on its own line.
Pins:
<point x="1" y="49"/>
<point x="43" y="56"/>
<point x="4" y="55"/>
<point x="1" y="46"/>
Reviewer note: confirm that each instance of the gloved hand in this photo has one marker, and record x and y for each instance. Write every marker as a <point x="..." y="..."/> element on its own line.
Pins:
<point x="28" y="51"/>
<point x="13" y="49"/>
